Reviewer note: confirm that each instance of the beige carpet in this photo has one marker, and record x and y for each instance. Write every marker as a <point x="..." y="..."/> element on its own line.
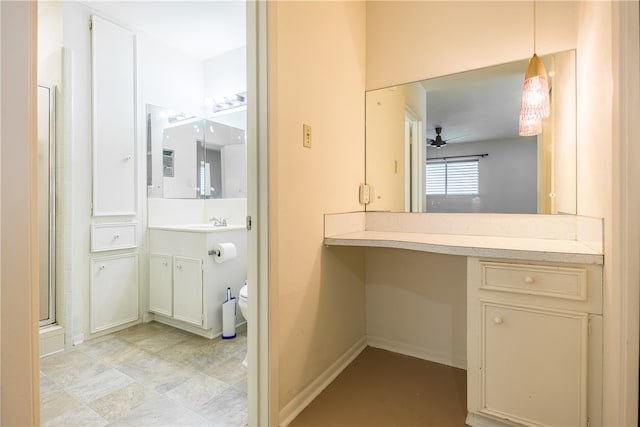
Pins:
<point x="381" y="388"/>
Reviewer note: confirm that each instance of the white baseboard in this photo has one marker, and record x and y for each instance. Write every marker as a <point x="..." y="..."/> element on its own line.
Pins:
<point x="416" y="351"/>
<point x="306" y="396"/>
<point x="78" y="339"/>
<point x="478" y="420"/>
<point x="52" y="340"/>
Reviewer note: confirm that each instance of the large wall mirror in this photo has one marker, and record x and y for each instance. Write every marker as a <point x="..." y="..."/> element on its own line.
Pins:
<point x="190" y="157"/>
<point x="451" y="144"/>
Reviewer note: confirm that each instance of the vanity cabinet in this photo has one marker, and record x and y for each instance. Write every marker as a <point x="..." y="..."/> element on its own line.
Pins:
<point x="186" y="285"/>
<point x="175" y="287"/>
<point x="161" y="284"/>
<point x="532" y="353"/>
<point x="187" y="290"/>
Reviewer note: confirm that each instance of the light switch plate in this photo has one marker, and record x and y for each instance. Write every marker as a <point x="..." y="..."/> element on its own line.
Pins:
<point x="306" y="136"/>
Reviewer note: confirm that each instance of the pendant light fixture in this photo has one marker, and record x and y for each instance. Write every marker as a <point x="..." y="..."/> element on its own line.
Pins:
<point x="535" y="94"/>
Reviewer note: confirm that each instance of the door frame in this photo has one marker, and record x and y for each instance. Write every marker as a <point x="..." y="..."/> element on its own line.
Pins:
<point x="259" y="350"/>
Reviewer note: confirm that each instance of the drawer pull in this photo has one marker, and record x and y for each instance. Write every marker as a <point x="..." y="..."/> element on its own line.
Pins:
<point x="497" y="320"/>
<point x="529" y="279"/>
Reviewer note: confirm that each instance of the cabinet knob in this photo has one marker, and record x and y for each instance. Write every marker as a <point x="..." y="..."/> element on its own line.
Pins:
<point x="117" y="236"/>
<point x="165" y="263"/>
<point x="529" y="279"/>
<point x="102" y="267"/>
<point x="179" y="266"/>
<point x="497" y="320"/>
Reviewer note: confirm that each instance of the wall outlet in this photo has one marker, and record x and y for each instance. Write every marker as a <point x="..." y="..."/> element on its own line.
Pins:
<point x="306" y="136"/>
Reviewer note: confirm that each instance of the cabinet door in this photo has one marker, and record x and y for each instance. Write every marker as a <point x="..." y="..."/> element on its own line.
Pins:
<point x="187" y="290"/>
<point x="113" y="98"/>
<point x="534" y="365"/>
<point x="114" y="291"/>
<point x="161" y="284"/>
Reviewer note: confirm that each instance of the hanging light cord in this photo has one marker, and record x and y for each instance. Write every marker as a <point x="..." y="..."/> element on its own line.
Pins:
<point x="534" y="26"/>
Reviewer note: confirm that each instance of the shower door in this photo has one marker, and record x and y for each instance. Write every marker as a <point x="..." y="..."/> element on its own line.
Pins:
<point x="46" y="202"/>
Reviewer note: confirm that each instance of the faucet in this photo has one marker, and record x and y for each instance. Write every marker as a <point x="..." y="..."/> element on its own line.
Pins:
<point x="218" y="222"/>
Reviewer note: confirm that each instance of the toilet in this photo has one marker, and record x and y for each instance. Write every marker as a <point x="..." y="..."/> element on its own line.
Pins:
<point x="243" y="302"/>
<point x="244" y="309"/>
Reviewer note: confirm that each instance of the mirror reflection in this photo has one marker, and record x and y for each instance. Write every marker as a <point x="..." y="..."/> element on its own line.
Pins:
<point x="451" y="144"/>
<point x="190" y="157"/>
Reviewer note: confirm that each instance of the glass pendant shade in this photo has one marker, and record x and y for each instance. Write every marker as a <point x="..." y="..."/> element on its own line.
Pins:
<point x="535" y="98"/>
<point x="529" y="126"/>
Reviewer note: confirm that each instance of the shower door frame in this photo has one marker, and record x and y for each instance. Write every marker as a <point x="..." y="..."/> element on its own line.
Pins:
<point x="51" y="282"/>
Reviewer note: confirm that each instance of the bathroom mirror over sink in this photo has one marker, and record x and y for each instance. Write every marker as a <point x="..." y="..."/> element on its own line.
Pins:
<point x="477" y="162"/>
<point x="190" y="157"/>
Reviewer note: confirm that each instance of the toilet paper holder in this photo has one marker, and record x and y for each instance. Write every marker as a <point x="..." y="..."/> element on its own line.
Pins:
<point x="215" y="252"/>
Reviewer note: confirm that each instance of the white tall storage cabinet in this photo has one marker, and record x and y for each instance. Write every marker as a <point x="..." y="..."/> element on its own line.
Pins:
<point x="113" y="99"/>
<point x="114" y="286"/>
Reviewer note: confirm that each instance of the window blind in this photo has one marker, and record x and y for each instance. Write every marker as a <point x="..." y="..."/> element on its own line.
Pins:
<point x="452" y="177"/>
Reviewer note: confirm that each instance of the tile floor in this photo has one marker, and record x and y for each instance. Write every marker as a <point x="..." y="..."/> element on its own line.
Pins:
<point x="146" y="375"/>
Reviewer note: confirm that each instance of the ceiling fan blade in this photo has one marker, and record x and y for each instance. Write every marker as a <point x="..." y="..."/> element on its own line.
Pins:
<point x="459" y="136"/>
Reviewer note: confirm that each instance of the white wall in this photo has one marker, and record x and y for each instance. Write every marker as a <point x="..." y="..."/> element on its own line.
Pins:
<point x="170" y="78"/>
<point x="77" y="176"/>
<point x="222" y="73"/>
<point x="50" y="59"/>
<point x="166" y="77"/>
<point x="316" y="76"/>
<point x="508" y="177"/>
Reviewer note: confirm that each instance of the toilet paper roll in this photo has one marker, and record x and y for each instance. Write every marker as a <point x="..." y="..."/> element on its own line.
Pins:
<point x="225" y="252"/>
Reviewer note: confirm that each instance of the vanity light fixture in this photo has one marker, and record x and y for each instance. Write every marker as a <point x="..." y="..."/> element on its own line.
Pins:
<point x="225" y="103"/>
<point x="535" y="94"/>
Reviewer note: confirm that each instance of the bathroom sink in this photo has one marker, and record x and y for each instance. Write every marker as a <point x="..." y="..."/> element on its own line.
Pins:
<point x="201" y="226"/>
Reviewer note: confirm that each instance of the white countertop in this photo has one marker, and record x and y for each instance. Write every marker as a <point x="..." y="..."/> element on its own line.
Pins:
<point x="569" y="251"/>
<point x="351" y="230"/>
<point x="197" y="228"/>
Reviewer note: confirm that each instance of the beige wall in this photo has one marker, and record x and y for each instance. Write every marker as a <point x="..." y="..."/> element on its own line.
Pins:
<point x="404" y="44"/>
<point x="421" y="312"/>
<point x="316" y="76"/>
<point x="19" y="335"/>
<point x="585" y="26"/>
<point x="385" y="156"/>
<point x="600" y="187"/>
<point x="409" y="41"/>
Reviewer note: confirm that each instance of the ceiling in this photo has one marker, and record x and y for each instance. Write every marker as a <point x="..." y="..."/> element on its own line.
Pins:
<point x="477" y="105"/>
<point x="202" y="29"/>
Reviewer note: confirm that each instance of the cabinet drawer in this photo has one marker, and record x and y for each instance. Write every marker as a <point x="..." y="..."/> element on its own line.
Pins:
<point x="551" y="281"/>
<point x="108" y="237"/>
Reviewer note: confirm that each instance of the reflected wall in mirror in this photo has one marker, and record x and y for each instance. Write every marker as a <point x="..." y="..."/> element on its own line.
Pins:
<point x="477" y="162"/>
<point x="190" y="157"/>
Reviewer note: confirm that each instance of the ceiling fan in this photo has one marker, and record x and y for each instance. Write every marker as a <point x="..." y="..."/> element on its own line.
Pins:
<point x="438" y="142"/>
